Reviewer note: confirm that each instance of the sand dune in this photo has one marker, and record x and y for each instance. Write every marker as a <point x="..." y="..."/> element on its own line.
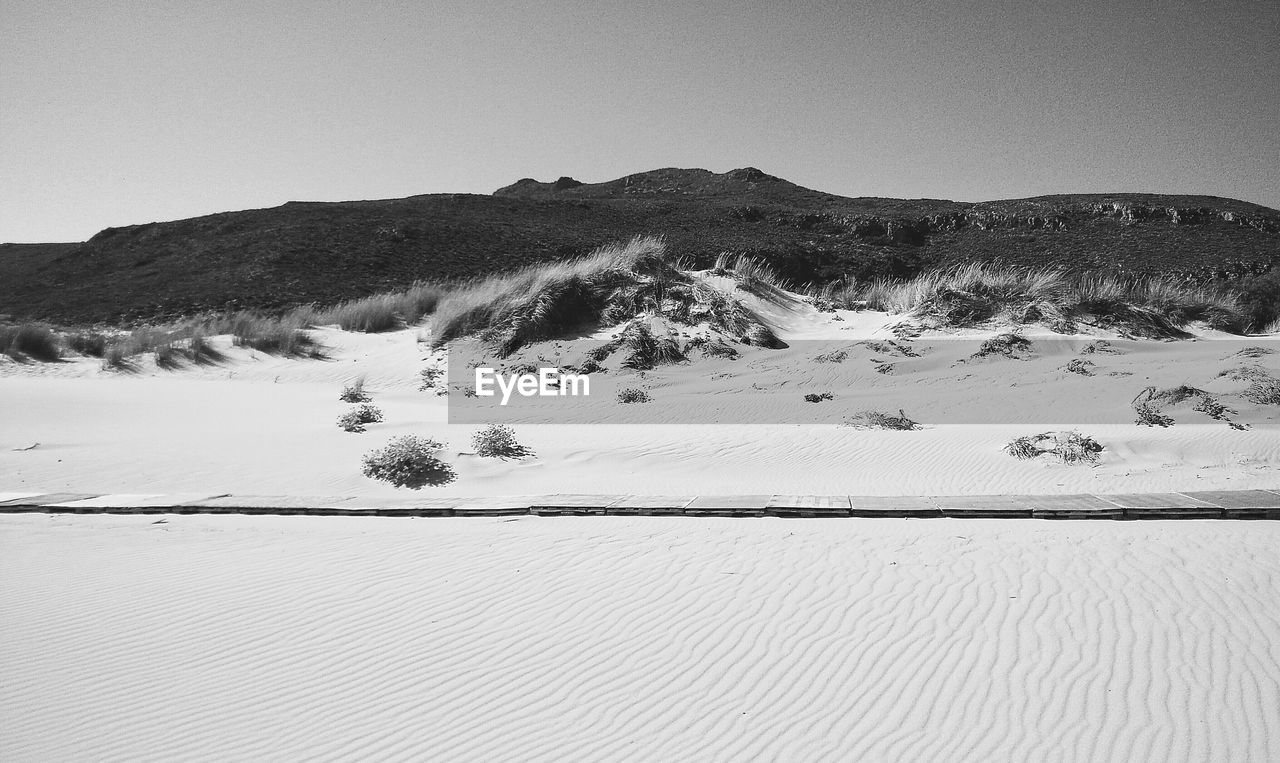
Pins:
<point x="234" y="638"/>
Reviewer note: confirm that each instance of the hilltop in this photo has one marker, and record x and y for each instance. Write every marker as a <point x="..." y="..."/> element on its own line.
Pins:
<point x="324" y="252"/>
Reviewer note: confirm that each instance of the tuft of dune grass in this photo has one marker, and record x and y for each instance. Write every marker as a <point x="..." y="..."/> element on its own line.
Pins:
<point x="30" y="341"/>
<point x="975" y="293"/>
<point x="612" y="285"/>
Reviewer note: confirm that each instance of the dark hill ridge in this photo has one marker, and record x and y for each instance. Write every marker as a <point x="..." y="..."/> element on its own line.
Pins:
<point x="325" y="252"/>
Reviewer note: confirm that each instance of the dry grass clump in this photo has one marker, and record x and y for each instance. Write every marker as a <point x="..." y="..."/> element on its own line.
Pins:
<point x="714" y="348"/>
<point x="975" y="293"/>
<point x="648" y="350"/>
<point x="1255" y="352"/>
<point x="1080" y="366"/>
<point x="1264" y="391"/>
<point x="117" y="358"/>
<point x="818" y="398"/>
<point x="1245" y="373"/>
<point x="498" y="441"/>
<point x="354" y="392"/>
<point x="30" y="341"/>
<point x="1005" y="345"/>
<point x="1068" y="447"/>
<point x="900" y="349"/>
<point x="753" y="277"/>
<point x="355" y="419"/>
<point x="90" y="343"/>
<point x="835" y="356"/>
<point x="633" y="395"/>
<point x="410" y="462"/>
<point x="202" y="352"/>
<point x="881" y="420"/>
<point x="284" y="336"/>
<point x="380" y="312"/>
<point x="170" y="356"/>
<point x="1150" y="402"/>
<point x="1101" y="346"/>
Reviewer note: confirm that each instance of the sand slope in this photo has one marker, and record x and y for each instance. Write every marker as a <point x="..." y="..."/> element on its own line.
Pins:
<point x="234" y="638"/>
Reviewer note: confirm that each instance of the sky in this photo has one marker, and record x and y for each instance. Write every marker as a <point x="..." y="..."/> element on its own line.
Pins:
<point x="116" y="113"/>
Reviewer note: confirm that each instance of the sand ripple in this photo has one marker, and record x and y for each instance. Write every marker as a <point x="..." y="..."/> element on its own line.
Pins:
<point x="237" y="638"/>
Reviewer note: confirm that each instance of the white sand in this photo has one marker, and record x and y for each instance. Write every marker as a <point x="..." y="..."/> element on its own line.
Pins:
<point x="263" y="425"/>
<point x="236" y="638"/>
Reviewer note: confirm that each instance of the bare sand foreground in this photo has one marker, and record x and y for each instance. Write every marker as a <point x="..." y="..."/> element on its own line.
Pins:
<point x="236" y="638"/>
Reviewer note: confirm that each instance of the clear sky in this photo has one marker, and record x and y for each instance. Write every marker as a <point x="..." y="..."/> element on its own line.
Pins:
<point x="113" y="113"/>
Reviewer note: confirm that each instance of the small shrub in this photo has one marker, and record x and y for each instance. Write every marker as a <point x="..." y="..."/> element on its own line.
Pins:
<point x="410" y="462"/>
<point x="354" y="392"/>
<point x="1264" y="392"/>
<point x="169" y="356"/>
<point x="355" y="419"/>
<point x="498" y="441"/>
<point x="633" y="395"/>
<point x="811" y="398"/>
<point x="29" y="341"/>
<point x="1068" y="447"/>
<point x="431" y="377"/>
<point x="1005" y="345"/>
<point x="719" y="349"/>
<point x="880" y="420"/>
<point x="117" y="358"/>
<point x="202" y="352"/>
<point x="1101" y="346"/>
<point x="1081" y="366"/>
<point x="1213" y="409"/>
<point x="1246" y="373"/>
<point x="89" y="343"/>
<point x="900" y="349"/>
<point x="1147" y="413"/>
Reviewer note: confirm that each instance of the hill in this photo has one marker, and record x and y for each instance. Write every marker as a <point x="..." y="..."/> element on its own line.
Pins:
<point x="324" y="252"/>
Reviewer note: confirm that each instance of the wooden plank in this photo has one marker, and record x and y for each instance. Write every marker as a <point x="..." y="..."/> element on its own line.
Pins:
<point x="728" y="506"/>
<point x="984" y="506"/>
<point x="1073" y="506"/>
<point x="1238" y="499"/>
<point x="147" y="503"/>
<point x="728" y="502"/>
<point x="638" y="502"/>
<point x="893" y="506"/>
<point x="809" y="506"/>
<point x="575" y="501"/>
<point x="1155" y="501"/>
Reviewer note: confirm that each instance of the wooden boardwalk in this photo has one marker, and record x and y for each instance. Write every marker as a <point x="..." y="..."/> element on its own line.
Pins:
<point x="1221" y="504"/>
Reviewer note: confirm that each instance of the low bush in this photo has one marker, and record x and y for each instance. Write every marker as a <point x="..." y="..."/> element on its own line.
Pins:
<point x="1081" y="366"/>
<point x="354" y="392"/>
<point x="202" y="352"/>
<point x="1068" y="447"/>
<point x="880" y="420"/>
<point x="29" y="341"/>
<point x="355" y="419"/>
<point x="498" y="441"/>
<point x="117" y="358"/>
<point x="410" y="462"/>
<point x="91" y="343"/>
<point x="1005" y="345"/>
<point x="1264" y="392"/>
<point x="169" y="356"/>
<point x="812" y="398"/>
<point x="633" y="395"/>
